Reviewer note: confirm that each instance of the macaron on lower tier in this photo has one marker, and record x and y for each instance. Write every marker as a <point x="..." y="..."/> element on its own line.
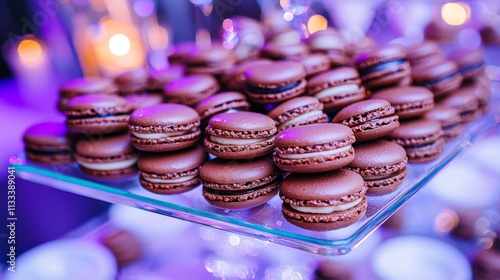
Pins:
<point x="276" y="82"/>
<point x="94" y="113"/>
<point x="337" y="88"/>
<point x="132" y="81"/>
<point x="49" y="143"/>
<point x="382" y="164"/>
<point x="423" y="53"/>
<point x="173" y="172"/>
<point x="125" y="246"/>
<point x="441" y="77"/>
<point x="298" y="111"/>
<point x="111" y="156"/>
<point x="449" y="118"/>
<point x="465" y="102"/>
<point x="323" y="201"/>
<point x="164" y="127"/>
<point x="240" y="135"/>
<point x="408" y="101"/>
<point x="230" y="184"/>
<point x="383" y="67"/>
<point x="368" y="119"/>
<point x="421" y="138"/>
<point x="157" y="79"/>
<point x="330" y="42"/>
<point x="314" y="148"/>
<point x="82" y="86"/>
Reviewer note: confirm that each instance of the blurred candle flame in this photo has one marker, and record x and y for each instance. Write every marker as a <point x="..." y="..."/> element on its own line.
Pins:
<point x="457" y="13"/>
<point x="316" y="23"/>
<point x="31" y="54"/>
<point x="119" y="44"/>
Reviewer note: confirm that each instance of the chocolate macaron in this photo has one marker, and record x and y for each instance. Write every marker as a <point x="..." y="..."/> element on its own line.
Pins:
<point x="470" y="63"/>
<point x="324" y="201"/>
<point x="276" y="82"/>
<point x="423" y="53"/>
<point x="449" y="118"/>
<point x="234" y="79"/>
<point x="408" y="101"/>
<point x="81" y="86"/>
<point x="383" y="67"/>
<point x="125" y="246"/>
<point x="288" y="51"/>
<point x="240" y="135"/>
<point x="337" y="88"/>
<point x="164" y="127"/>
<point x="221" y="103"/>
<point x="239" y="184"/>
<point x="132" y="81"/>
<point x="94" y="113"/>
<point x="214" y="60"/>
<point x="315" y="63"/>
<point x="465" y="102"/>
<point x="368" y="119"/>
<point x="441" y="77"/>
<point x="331" y="42"/>
<point x="421" y="138"/>
<point x="190" y="89"/>
<point x="314" y="148"/>
<point x="110" y="156"/>
<point x="382" y="164"/>
<point x="171" y="173"/>
<point x="298" y="111"/>
<point x="49" y="143"/>
<point x="140" y="100"/>
<point x="157" y="79"/>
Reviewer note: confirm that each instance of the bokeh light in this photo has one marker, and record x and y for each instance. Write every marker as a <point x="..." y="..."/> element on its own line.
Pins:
<point x="316" y="23"/>
<point x="288" y="16"/>
<point x="455" y="13"/>
<point x="31" y="53"/>
<point x="119" y="44"/>
<point x="446" y="221"/>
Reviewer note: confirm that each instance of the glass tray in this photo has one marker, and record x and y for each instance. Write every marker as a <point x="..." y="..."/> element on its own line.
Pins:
<point x="264" y="222"/>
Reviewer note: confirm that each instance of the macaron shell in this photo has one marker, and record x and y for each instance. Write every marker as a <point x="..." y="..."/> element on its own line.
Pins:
<point x="159" y="78"/>
<point x="409" y="101"/>
<point x="167" y="144"/>
<point x="243" y="122"/>
<point x="100" y="125"/>
<point x="191" y="89"/>
<point x="449" y="119"/>
<point x="315" y="63"/>
<point x="297" y="108"/>
<point x="325" y="222"/>
<point x="276" y="74"/>
<point x="165" y="114"/>
<point x="173" y="188"/>
<point x="250" y="200"/>
<point x="249" y="151"/>
<point x="93" y="104"/>
<point x="110" y="174"/>
<point x="441" y="77"/>
<point x="158" y="164"/>
<point x="214" y="60"/>
<point x="278" y="51"/>
<point x="417" y="132"/>
<point x="80" y="86"/>
<point x="386" y="185"/>
<point x="52" y="159"/>
<point x="426" y="154"/>
<point x="466" y="58"/>
<point x="105" y="147"/>
<point x="423" y="53"/>
<point x="465" y="102"/>
<point x="48" y="135"/>
<point x="221" y="102"/>
<point x="314" y="134"/>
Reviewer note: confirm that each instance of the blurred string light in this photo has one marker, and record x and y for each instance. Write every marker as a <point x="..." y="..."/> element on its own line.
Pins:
<point x="31" y="53"/>
<point x="446" y="221"/>
<point x="455" y="13"/>
<point x="230" y="36"/>
<point x="119" y="44"/>
<point x="316" y="23"/>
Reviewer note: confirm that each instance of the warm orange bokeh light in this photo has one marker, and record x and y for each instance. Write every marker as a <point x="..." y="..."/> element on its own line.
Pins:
<point x="455" y="13"/>
<point x="316" y="23"/>
<point x="31" y="53"/>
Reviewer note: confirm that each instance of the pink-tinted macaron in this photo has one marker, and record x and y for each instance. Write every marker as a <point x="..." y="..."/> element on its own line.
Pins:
<point x="190" y="89"/>
<point x="93" y="113"/>
<point x="382" y="164"/>
<point x="408" y="101"/>
<point x="421" y="138"/>
<point x="465" y="102"/>
<point x="157" y="79"/>
<point x="423" y="53"/>
<point x="324" y="201"/>
<point x="298" y="111"/>
<point x="337" y="88"/>
<point x="441" y="77"/>
<point x="361" y="45"/>
<point x="449" y="118"/>
<point x="314" y="148"/>
<point x="221" y="103"/>
<point x="482" y="92"/>
<point x="240" y="135"/>
<point x="178" y="53"/>
<point x="110" y="156"/>
<point x="230" y="184"/>
<point x="140" y="100"/>
<point x="171" y="173"/>
<point x="369" y="119"/>
<point x="49" y="143"/>
<point x="438" y="30"/>
<point x="276" y="82"/>
<point x="82" y="86"/>
<point x="332" y="43"/>
<point x="164" y="127"/>
<point x="470" y="62"/>
<point x="315" y="63"/>
<point x="234" y="79"/>
<point x="132" y="81"/>
<point x="125" y="246"/>
<point x="383" y="67"/>
<point x="214" y="60"/>
<point x="279" y="52"/>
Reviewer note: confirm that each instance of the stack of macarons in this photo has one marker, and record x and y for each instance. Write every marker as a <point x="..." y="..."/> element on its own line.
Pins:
<point x="323" y="121"/>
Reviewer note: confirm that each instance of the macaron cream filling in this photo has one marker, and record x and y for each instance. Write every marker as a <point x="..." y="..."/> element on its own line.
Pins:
<point x="170" y="181"/>
<point x="429" y="83"/>
<point x="327" y="209"/>
<point x="234" y="141"/>
<point x="109" y="165"/>
<point x="262" y="90"/>
<point x="302" y="118"/>
<point x="337" y="90"/>
<point x="382" y="66"/>
<point x="161" y="135"/>
<point x="316" y="154"/>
